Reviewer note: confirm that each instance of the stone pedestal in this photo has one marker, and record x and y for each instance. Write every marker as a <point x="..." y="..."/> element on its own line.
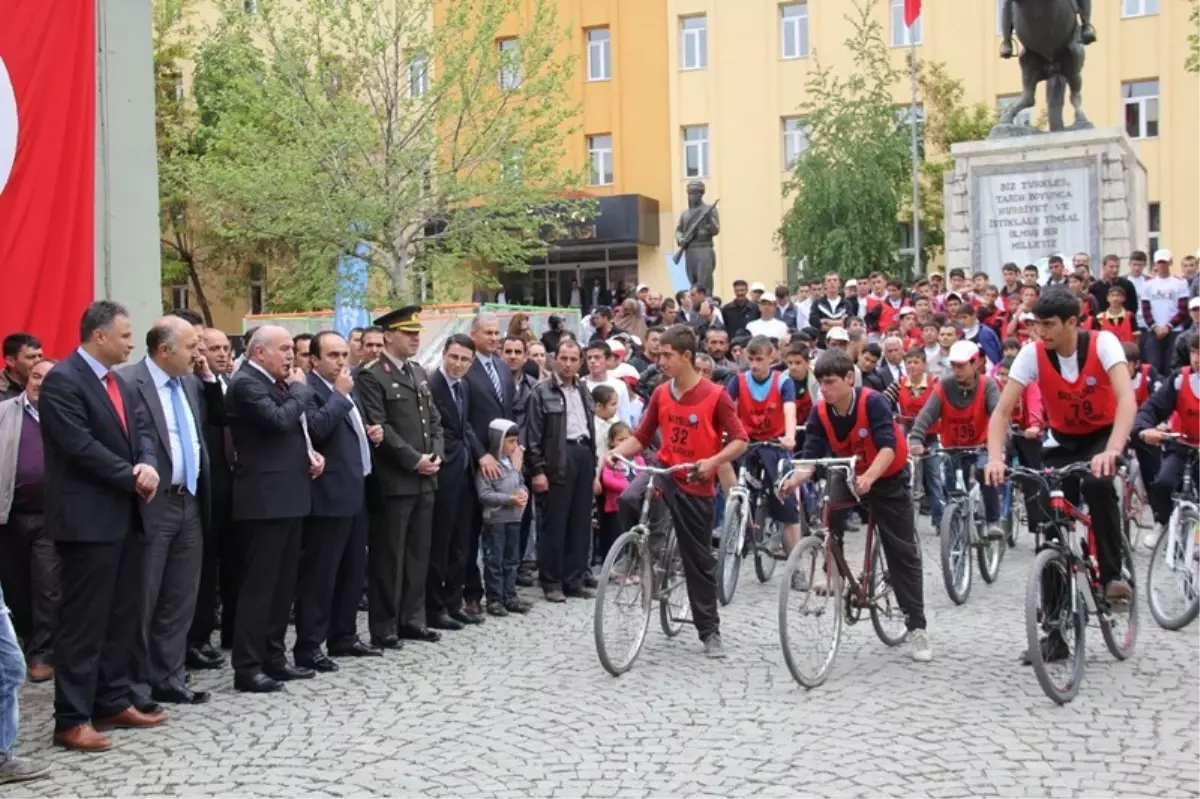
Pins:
<point x="1026" y="198"/>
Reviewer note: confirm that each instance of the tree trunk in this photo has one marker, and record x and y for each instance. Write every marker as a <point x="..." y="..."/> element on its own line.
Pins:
<point x="201" y="298"/>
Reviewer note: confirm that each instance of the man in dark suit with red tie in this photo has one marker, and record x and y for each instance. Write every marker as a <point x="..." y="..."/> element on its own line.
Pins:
<point x="100" y="463"/>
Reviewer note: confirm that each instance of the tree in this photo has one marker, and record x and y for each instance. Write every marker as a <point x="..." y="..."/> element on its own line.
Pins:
<point x="847" y="186"/>
<point x="1193" y="59"/>
<point x="348" y="127"/>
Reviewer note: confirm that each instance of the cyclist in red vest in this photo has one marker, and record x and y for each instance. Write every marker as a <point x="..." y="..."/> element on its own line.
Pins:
<point x="859" y="422"/>
<point x="692" y="415"/>
<point x="1089" y="408"/>
<point x="909" y="394"/>
<point x="1181" y="395"/>
<point x="1116" y="319"/>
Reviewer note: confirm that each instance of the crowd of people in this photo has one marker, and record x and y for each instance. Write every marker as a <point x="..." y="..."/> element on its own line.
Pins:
<point x="147" y="509"/>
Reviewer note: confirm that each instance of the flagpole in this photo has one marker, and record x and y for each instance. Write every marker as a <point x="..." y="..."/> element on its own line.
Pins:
<point x="916" y="186"/>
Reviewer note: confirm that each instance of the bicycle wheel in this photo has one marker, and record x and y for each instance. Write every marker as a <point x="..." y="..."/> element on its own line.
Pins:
<point x="770" y="535"/>
<point x="729" y="550"/>
<point x="989" y="557"/>
<point x="1119" y="627"/>
<point x="1060" y="660"/>
<point x="956" y="551"/>
<point x="1014" y="513"/>
<point x="623" y="597"/>
<point x="1174" y="575"/>
<point x="674" y="605"/>
<point x="810" y="613"/>
<point x="887" y="618"/>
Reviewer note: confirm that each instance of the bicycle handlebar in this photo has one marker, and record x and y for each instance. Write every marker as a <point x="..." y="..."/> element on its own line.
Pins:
<point x="656" y="470"/>
<point x="841" y="464"/>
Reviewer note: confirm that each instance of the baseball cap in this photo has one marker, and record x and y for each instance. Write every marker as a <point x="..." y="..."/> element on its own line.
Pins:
<point x="837" y="334"/>
<point x="938" y="275"/>
<point x="1162" y="255"/>
<point x="616" y="345"/>
<point x="1193" y="303"/>
<point x="851" y="282"/>
<point x="963" y="351"/>
<point x="624" y="372"/>
<point x="757" y="286"/>
<point x="641" y="287"/>
<point x="907" y="309"/>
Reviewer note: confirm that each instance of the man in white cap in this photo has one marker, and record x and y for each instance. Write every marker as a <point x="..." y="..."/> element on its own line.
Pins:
<point x="963" y="402"/>
<point x="757" y="290"/>
<point x="1164" y="312"/>
<point x="766" y="324"/>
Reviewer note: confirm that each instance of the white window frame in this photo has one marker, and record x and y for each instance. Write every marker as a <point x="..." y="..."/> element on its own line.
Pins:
<point x="600" y="159"/>
<point x="510" y="74"/>
<point x="793" y="31"/>
<point x="698" y="145"/>
<point x="599" y="54"/>
<point x="180" y="296"/>
<point x="1005" y="101"/>
<point x="1142" y="102"/>
<point x="901" y="34"/>
<point x="693" y="42"/>
<point x="795" y="141"/>
<point x="1154" y="236"/>
<point x="418" y="74"/>
<point x="1139" y="8"/>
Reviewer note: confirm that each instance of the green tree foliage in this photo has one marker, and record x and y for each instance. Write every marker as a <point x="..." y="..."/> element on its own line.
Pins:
<point x="1193" y="59"/>
<point x="336" y="126"/>
<point x="849" y="184"/>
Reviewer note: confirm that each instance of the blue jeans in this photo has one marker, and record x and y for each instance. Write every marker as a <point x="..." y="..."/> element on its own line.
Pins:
<point x="990" y="494"/>
<point x="501" y="556"/>
<point x="12" y="674"/>
<point x="933" y="476"/>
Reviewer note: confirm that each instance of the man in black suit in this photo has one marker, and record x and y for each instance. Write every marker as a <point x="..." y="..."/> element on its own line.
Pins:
<point x="492" y="392"/>
<point x="99" y="462"/>
<point x="335" y="534"/>
<point x="169" y="403"/>
<point x="454" y="505"/>
<point x="272" y="493"/>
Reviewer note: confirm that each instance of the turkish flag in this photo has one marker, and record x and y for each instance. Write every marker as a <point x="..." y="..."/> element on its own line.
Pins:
<point x="912" y="10"/>
<point x="47" y="168"/>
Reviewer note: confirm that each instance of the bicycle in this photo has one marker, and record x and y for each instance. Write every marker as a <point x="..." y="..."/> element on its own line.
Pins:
<point x="964" y="529"/>
<point x="1012" y="498"/>
<point x="655" y="573"/>
<point x="1135" y="500"/>
<point x="1068" y="559"/>
<point x="746" y="509"/>
<point x="821" y="553"/>
<point x="1176" y="556"/>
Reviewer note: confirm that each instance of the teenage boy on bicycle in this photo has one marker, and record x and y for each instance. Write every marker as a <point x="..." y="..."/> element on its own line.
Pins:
<point x="849" y="421"/>
<point x="692" y="415"/>
<point x="1089" y="407"/>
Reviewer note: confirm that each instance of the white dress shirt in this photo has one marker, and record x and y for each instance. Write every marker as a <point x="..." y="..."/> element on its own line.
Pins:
<point x="161" y="380"/>
<point x="360" y="430"/>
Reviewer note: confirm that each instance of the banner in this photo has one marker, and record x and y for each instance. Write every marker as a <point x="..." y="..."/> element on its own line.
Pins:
<point x="350" y="302"/>
<point x="47" y="168"/>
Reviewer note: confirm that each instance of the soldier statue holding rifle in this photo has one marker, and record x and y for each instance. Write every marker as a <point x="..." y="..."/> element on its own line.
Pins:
<point x="694" y="235"/>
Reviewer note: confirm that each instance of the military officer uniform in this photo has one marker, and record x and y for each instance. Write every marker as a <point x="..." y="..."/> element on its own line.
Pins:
<point x="395" y="395"/>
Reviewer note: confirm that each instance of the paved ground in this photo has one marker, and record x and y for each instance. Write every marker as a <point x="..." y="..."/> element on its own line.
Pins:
<point x="521" y="707"/>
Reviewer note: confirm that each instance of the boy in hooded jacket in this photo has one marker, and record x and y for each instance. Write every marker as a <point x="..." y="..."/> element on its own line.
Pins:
<point x="503" y="501"/>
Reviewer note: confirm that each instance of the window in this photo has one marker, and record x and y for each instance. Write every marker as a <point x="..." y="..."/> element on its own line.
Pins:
<point x="693" y="42"/>
<point x="904" y="119"/>
<point x="514" y="164"/>
<point x="600" y="158"/>
<point x="510" y="64"/>
<point x="257" y="274"/>
<point x="1141" y="108"/>
<point x="1155" y="226"/>
<point x="418" y="75"/>
<point x="793" y="30"/>
<point x="598" y="51"/>
<point x="1006" y="101"/>
<point x="902" y="35"/>
<point x="250" y="6"/>
<point x="795" y="140"/>
<point x="695" y="151"/>
<point x="179" y="297"/>
<point x="1138" y="8"/>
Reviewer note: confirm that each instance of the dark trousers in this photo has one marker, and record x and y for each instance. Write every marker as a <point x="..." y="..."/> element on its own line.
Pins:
<point x="692" y="517"/>
<point x="97" y="629"/>
<point x="1166" y="483"/>
<point x="171" y="562"/>
<point x="272" y="559"/>
<point x="1158" y="351"/>
<point x="563" y="549"/>
<point x="501" y="557"/>
<point x="31" y="575"/>
<point x="610" y="529"/>
<point x="450" y="542"/>
<point x="348" y="589"/>
<point x="472" y="576"/>
<point x="215" y="571"/>
<point x="399" y="563"/>
<point x="890" y="503"/>
<point x="324" y="542"/>
<point x="1150" y="461"/>
<point x="1029" y="450"/>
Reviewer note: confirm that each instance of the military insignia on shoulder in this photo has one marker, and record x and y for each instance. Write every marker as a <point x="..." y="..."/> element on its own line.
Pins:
<point x="370" y="364"/>
<point x="387" y="367"/>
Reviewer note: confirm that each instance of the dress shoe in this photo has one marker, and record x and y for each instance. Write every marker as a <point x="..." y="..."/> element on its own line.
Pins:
<point x="582" y="592"/>
<point x="180" y="696"/>
<point x="283" y="672"/>
<point x="317" y="661"/>
<point x="473" y="608"/>
<point x="496" y="609"/>
<point x="40" y="672"/>
<point x="419" y="634"/>
<point x="198" y="658"/>
<point x="356" y="650"/>
<point x="257" y="683"/>
<point x="590" y="581"/>
<point x="517" y="606"/>
<point x="554" y="595"/>
<point x="526" y="579"/>
<point x="387" y="642"/>
<point x="444" y="621"/>
<point x="131" y="718"/>
<point x="147" y="706"/>
<point x="82" y="737"/>
<point x="464" y="616"/>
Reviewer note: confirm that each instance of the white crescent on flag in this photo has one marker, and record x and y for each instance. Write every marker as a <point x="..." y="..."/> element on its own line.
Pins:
<point x="8" y="125"/>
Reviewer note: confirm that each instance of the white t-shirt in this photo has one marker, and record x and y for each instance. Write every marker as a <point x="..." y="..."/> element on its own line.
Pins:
<point x="1193" y="381"/>
<point x="1025" y="366"/>
<point x="771" y="328"/>
<point x="1164" y="294"/>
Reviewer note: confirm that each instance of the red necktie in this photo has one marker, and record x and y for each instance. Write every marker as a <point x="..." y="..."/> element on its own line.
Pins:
<point x="114" y="394"/>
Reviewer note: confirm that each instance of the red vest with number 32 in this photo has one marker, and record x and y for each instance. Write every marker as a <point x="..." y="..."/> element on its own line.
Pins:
<point x="689" y="434"/>
<point x="1082" y="406"/>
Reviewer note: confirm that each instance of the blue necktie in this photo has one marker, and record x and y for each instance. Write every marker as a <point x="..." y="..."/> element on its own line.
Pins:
<point x="191" y="472"/>
<point x="495" y="378"/>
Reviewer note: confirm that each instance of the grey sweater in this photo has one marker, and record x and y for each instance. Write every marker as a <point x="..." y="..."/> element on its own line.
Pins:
<point x="495" y="496"/>
<point x="959" y="397"/>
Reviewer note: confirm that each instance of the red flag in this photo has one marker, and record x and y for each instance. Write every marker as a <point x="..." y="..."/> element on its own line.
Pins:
<point x="47" y="168"/>
<point x="912" y="10"/>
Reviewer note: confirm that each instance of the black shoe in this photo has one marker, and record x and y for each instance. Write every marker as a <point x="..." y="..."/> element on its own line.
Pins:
<point x="362" y="603"/>
<point x="257" y="683"/>
<point x="496" y="609"/>
<point x="204" y="657"/>
<point x="283" y="672"/>
<point x="583" y="592"/>
<point x="356" y="650"/>
<point x="180" y="696"/>
<point x="444" y="621"/>
<point x="387" y="642"/>
<point x="517" y="606"/>
<point x="465" y="616"/>
<point x="1054" y="649"/>
<point x="526" y="579"/>
<point x="419" y="634"/>
<point x="590" y="581"/>
<point x="317" y="661"/>
<point x="147" y="706"/>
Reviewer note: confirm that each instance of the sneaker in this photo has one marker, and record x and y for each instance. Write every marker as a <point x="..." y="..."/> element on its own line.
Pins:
<point x="517" y="606"/>
<point x="800" y="580"/>
<point x="995" y="532"/>
<point x="918" y="646"/>
<point x="14" y="769"/>
<point x="713" y="648"/>
<point x="1118" y="593"/>
<point x="1151" y="539"/>
<point x="1053" y="647"/>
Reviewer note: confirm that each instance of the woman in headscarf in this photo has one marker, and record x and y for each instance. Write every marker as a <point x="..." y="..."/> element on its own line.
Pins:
<point x="519" y="327"/>
<point x="629" y="318"/>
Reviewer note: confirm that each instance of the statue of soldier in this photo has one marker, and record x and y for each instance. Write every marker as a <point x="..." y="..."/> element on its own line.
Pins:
<point x="694" y="235"/>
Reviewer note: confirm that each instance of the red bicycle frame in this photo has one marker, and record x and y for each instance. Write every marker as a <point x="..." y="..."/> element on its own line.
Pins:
<point x="1059" y="503"/>
<point x="861" y="596"/>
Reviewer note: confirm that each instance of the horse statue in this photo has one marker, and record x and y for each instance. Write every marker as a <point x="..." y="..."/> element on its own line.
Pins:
<point x="1052" y="51"/>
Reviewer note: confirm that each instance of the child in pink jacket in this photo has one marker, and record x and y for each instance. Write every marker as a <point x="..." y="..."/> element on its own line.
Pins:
<point x="613" y="482"/>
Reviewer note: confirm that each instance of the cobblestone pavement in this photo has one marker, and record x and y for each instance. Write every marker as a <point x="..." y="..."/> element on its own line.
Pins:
<point x="521" y="707"/>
